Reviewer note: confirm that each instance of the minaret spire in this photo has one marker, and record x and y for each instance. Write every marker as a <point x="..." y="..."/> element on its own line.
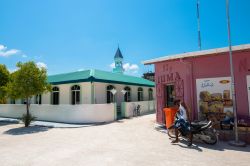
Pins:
<point x="118" y="61"/>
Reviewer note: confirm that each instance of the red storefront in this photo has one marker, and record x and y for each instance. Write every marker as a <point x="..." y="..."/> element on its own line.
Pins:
<point x="202" y="79"/>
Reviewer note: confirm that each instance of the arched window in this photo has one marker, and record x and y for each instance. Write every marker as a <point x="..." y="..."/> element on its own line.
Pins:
<point x="55" y="96"/>
<point x="75" y="94"/>
<point x="110" y="95"/>
<point x="150" y="94"/>
<point x="127" y="96"/>
<point x="38" y="99"/>
<point x="140" y="94"/>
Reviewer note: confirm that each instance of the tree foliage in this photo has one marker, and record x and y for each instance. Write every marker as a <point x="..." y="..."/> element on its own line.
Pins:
<point x="4" y="79"/>
<point x="28" y="81"/>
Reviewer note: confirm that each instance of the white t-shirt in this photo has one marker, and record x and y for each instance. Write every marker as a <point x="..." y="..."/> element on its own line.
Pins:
<point x="182" y="113"/>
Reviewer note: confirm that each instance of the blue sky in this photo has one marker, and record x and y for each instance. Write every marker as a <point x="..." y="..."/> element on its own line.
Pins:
<point x="71" y="35"/>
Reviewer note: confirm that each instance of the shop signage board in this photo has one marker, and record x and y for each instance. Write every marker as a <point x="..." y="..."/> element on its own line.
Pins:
<point x="214" y="95"/>
<point x="248" y="90"/>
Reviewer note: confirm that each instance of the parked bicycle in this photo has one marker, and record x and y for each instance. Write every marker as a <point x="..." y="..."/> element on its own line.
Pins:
<point x="137" y="110"/>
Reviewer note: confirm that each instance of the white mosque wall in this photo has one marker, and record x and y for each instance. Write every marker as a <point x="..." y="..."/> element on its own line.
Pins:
<point x="100" y="93"/>
<point x="65" y="93"/>
<point x="83" y="113"/>
<point x="128" y="108"/>
<point x="45" y="98"/>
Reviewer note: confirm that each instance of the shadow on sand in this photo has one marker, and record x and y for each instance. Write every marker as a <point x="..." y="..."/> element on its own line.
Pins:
<point x="5" y="123"/>
<point x="219" y="146"/>
<point x="26" y="130"/>
<point x="200" y="146"/>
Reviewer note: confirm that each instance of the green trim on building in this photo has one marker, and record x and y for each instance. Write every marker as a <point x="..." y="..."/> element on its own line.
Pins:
<point x="98" y="76"/>
<point x="123" y="108"/>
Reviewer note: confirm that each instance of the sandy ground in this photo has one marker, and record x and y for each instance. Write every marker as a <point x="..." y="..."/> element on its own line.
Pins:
<point x="127" y="142"/>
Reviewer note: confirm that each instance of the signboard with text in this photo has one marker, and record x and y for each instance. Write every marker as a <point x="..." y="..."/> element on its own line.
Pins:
<point x="214" y="95"/>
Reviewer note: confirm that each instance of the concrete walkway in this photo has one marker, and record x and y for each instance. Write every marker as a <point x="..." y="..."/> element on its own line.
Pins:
<point x="129" y="142"/>
<point x="48" y="124"/>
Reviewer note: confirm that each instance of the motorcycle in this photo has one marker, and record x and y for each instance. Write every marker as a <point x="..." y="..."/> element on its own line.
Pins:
<point x="201" y="130"/>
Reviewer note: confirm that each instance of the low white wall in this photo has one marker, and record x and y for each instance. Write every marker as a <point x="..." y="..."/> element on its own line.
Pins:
<point x="146" y="107"/>
<point x="84" y="113"/>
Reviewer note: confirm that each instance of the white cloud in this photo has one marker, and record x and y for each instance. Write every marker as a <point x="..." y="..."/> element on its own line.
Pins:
<point x="4" y="52"/>
<point x="112" y="65"/>
<point x="41" y="65"/>
<point x="134" y="67"/>
<point x="128" y="68"/>
<point x="2" y="47"/>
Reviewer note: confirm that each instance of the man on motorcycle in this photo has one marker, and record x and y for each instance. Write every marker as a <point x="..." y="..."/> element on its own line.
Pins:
<point x="182" y="120"/>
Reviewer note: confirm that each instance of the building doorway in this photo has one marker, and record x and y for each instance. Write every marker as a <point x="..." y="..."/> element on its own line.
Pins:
<point x="169" y="95"/>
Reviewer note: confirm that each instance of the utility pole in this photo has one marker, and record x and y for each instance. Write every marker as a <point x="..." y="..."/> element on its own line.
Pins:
<point x="235" y="142"/>
<point x="198" y="23"/>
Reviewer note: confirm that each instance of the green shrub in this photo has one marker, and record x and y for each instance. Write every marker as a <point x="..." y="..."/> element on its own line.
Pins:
<point x="27" y="119"/>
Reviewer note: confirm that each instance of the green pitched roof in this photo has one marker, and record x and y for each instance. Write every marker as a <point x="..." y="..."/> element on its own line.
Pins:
<point x="98" y="76"/>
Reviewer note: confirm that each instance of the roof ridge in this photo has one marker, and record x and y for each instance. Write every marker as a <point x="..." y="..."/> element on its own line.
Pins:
<point x="197" y="53"/>
<point x="69" y="72"/>
<point x="126" y="75"/>
<point x="92" y="73"/>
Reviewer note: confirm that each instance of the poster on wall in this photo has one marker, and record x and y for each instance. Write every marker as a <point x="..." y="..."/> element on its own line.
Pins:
<point x="214" y="95"/>
<point x="248" y="90"/>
